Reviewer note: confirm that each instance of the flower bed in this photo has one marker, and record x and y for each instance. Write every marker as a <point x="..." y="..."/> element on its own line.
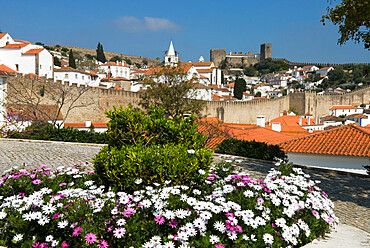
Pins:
<point x="65" y="208"/>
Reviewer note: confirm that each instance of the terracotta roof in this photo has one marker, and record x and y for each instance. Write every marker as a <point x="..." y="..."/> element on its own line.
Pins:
<point x="34" y="51"/>
<point x="324" y="68"/>
<point x="115" y="79"/>
<point x="205" y="70"/>
<point x="214" y="135"/>
<point x="357" y="116"/>
<point x="160" y="70"/>
<point x="247" y="94"/>
<point x="76" y="125"/>
<point x="197" y="63"/>
<point x="342" y="107"/>
<point x="231" y="85"/>
<point x="201" y="86"/>
<point x="31" y="75"/>
<point x="66" y="69"/>
<point x="331" y="118"/>
<point x="216" y="97"/>
<point x="139" y="71"/>
<point x="15" y="45"/>
<point x="7" y="69"/>
<point x="2" y="35"/>
<point x="257" y="133"/>
<point x="211" y="120"/>
<point x="23" y="41"/>
<point x="115" y="64"/>
<point x="292" y="120"/>
<point x="349" y="140"/>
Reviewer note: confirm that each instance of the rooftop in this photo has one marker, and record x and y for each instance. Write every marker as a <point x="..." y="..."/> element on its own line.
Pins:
<point x="349" y="140"/>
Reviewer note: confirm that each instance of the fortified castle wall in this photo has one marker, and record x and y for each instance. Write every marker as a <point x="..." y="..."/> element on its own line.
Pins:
<point x="96" y="101"/>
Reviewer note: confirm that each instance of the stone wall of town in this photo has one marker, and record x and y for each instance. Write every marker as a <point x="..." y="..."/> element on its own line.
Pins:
<point x="94" y="102"/>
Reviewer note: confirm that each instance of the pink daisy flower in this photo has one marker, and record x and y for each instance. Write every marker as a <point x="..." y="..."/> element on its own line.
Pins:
<point x="77" y="231"/>
<point x="90" y="238"/>
<point x="103" y="244"/>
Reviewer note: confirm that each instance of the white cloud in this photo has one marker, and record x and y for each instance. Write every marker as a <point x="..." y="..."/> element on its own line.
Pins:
<point x="133" y="24"/>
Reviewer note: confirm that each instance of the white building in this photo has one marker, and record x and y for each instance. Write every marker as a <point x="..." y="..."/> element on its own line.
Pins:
<point x="171" y="59"/>
<point x="207" y="70"/>
<point x="340" y="110"/>
<point x="25" y="57"/>
<point x="116" y="69"/>
<point x="324" y="71"/>
<point x="73" y="76"/>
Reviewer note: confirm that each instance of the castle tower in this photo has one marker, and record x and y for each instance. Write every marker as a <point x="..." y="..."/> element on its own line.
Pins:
<point x="217" y="55"/>
<point x="171" y="59"/>
<point x="265" y="51"/>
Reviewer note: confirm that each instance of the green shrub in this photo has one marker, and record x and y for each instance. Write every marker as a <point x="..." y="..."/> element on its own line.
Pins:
<point x="125" y="167"/>
<point x="45" y="131"/>
<point x="132" y="127"/>
<point x="251" y="149"/>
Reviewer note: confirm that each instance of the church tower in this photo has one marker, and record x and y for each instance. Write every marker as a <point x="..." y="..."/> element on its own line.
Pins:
<point x="171" y="58"/>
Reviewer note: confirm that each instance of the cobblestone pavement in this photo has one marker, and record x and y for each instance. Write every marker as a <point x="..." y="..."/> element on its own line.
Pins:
<point x="35" y="153"/>
<point x="349" y="192"/>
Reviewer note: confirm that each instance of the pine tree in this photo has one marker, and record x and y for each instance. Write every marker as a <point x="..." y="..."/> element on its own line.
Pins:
<point x="72" y="61"/>
<point x="100" y="53"/>
<point x="239" y="87"/>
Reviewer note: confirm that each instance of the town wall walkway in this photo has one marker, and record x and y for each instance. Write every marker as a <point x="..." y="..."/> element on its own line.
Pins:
<point x="349" y="192"/>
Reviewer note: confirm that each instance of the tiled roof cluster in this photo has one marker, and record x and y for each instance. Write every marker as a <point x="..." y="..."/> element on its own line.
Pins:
<point x="349" y="140"/>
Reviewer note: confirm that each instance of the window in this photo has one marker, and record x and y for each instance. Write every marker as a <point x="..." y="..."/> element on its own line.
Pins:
<point x="40" y="66"/>
<point x="76" y="76"/>
<point x="83" y="77"/>
<point x="16" y="67"/>
<point x="66" y="75"/>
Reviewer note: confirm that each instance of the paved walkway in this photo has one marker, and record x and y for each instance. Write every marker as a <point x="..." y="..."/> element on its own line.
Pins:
<point x="349" y="192"/>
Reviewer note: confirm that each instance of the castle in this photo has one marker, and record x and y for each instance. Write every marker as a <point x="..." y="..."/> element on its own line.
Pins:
<point x="234" y="59"/>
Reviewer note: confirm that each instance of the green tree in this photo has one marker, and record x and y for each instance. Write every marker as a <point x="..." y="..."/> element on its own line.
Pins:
<point x="222" y="78"/>
<point x="239" y="87"/>
<point x="115" y="58"/>
<point x="57" y="62"/>
<point x="170" y="89"/>
<point x="128" y="61"/>
<point x="250" y="71"/>
<point x="71" y="60"/>
<point x="100" y="53"/>
<point x="145" y="62"/>
<point x="258" y="94"/>
<point x="353" y="18"/>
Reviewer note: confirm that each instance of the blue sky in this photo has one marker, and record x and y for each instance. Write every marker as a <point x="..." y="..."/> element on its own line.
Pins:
<point x="146" y="27"/>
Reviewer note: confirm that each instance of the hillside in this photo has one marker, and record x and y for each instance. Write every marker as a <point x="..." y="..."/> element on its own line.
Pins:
<point x="134" y="58"/>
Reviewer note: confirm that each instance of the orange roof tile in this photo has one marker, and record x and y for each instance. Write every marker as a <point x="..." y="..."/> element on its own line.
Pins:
<point x="214" y="135"/>
<point x="205" y="70"/>
<point x="34" y="51"/>
<point x="7" y="69"/>
<point x="197" y="63"/>
<point x="292" y="120"/>
<point x="211" y="120"/>
<point x="115" y="64"/>
<point x="15" y="45"/>
<point x="349" y="140"/>
<point x="76" y="125"/>
<point x="160" y="70"/>
<point x="2" y="35"/>
<point x="23" y="41"/>
<point x="342" y="107"/>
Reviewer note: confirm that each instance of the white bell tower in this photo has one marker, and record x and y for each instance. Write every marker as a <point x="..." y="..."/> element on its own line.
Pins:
<point x="171" y="58"/>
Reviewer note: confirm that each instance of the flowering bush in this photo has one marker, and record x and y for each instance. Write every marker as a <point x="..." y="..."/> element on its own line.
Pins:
<point x="65" y="208"/>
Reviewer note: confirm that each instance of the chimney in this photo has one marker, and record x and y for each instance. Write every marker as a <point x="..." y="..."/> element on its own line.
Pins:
<point x="261" y="120"/>
<point x="87" y="123"/>
<point x="300" y="120"/>
<point x="276" y="127"/>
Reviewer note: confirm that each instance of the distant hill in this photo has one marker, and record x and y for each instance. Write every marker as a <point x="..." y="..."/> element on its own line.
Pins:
<point x="109" y="55"/>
